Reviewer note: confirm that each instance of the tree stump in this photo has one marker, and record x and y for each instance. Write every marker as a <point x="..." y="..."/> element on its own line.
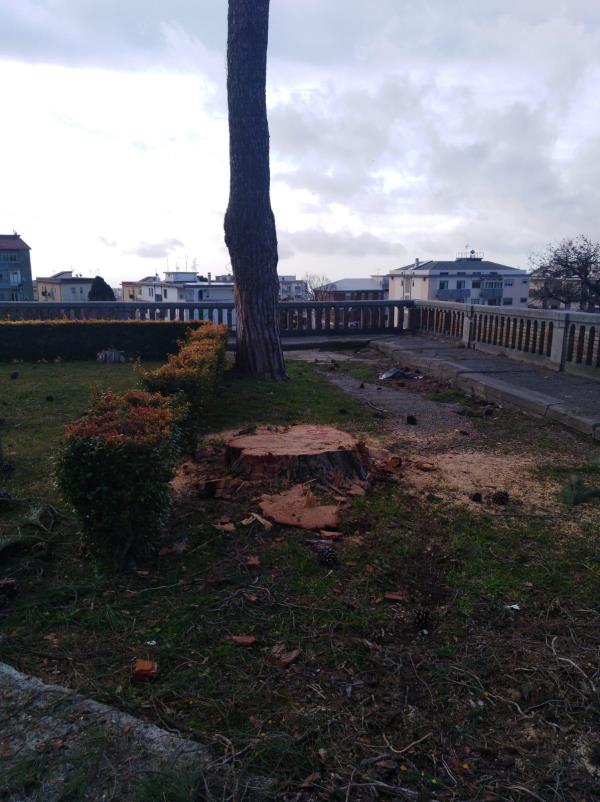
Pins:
<point x="299" y="453"/>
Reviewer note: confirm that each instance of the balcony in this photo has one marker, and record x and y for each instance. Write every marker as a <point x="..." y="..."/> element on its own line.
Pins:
<point x="490" y="293"/>
<point x="453" y="295"/>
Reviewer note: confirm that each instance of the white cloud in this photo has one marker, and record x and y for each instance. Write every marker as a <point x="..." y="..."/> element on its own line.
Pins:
<point x="428" y="124"/>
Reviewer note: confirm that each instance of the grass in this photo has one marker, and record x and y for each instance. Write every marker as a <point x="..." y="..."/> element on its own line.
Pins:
<point x="38" y="404"/>
<point x="474" y="688"/>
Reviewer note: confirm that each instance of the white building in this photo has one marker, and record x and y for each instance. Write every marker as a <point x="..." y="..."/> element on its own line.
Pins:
<point x="292" y="289"/>
<point x="468" y="279"/>
<point x="176" y="286"/>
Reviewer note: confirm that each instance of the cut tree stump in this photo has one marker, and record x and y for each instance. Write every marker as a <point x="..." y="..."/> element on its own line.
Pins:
<point x="299" y="453"/>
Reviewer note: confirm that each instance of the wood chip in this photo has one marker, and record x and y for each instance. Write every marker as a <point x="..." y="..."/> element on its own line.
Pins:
<point x="242" y="640"/>
<point x="143" y="670"/>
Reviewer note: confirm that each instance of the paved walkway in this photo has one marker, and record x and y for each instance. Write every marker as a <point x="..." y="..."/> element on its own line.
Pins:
<point x="570" y="400"/>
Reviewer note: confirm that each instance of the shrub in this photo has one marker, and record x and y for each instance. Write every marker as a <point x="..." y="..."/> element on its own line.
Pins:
<point x="32" y="340"/>
<point x="194" y="372"/>
<point x="115" y="469"/>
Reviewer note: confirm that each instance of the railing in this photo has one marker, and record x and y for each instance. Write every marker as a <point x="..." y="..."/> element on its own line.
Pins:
<point x="295" y="318"/>
<point x="567" y="341"/>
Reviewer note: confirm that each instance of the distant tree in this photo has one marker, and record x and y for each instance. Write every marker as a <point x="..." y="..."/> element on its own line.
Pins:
<point x="317" y="284"/>
<point x="250" y="232"/>
<point x="100" y="291"/>
<point x="569" y="272"/>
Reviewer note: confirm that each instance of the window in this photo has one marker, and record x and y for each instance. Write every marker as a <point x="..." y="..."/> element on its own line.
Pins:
<point x="151" y="292"/>
<point x="523" y="300"/>
<point x="525" y="281"/>
<point x="476" y="283"/>
<point x="507" y="301"/>
<point x="73" y="290"/>
<point x="460" y="284"/>
<point x="444" y="284"/>
<point x="508" y="282"/>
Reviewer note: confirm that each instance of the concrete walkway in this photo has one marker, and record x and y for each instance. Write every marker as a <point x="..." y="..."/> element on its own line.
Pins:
<point x="570" y="400"/>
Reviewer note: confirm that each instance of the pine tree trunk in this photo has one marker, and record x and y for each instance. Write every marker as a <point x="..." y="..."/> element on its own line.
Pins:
<point x="250" y="232"/>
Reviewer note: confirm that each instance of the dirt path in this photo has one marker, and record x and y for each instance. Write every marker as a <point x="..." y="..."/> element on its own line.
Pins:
<point x="460" y="449"/>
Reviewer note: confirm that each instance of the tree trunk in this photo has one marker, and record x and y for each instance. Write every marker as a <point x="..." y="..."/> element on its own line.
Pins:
<point x="250" y="232"/>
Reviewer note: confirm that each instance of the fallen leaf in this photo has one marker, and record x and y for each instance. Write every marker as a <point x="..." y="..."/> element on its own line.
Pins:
<point x="58" y="744"/>
<point x="369" y="569"/>
<point x="280" y="658"/>
<point x="426" y="467"/>
<point x="253" y="560"/>
<point x="143" y="670"/>
<point x="52" y="638"/>
<point x="356" y="490"/>
<point x="393" y="596"/>
<point x="310" y="780"/>
<point x="242" y="640"/>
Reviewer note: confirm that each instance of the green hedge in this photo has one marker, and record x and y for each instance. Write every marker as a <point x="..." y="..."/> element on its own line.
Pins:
<point x="115" y="469"/>
<point x="192" y="374"/>
<point x="34" y="340"/>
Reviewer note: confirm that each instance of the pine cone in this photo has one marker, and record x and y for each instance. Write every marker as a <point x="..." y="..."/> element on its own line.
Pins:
<point x="328" y="556"/>
<point x="421" y="618"/>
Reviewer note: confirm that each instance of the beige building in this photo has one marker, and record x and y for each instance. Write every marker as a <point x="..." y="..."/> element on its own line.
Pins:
<point x="468" y="279"/>
<point x="63" y="286"/>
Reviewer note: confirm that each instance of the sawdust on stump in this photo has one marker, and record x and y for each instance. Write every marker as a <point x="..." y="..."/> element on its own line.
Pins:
<point x="299" y="507"/>
<point x="298" y="453"/>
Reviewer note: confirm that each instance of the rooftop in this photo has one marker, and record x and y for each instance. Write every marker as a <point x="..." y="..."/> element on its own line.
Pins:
<point x="353" y="285"/>
<point x="466" y="265"/>
<point x="12" y="242"/>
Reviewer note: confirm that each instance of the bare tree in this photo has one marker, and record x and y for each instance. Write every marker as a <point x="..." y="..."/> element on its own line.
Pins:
<point x="318" y="285"/>
<point x="250" y="232"/>
<point x="568" y="272"/>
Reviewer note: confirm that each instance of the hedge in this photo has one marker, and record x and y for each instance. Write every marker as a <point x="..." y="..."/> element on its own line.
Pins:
<point x="115" y="469"/>
<point x="34" y="340"/>
<point x="194" y="372"/>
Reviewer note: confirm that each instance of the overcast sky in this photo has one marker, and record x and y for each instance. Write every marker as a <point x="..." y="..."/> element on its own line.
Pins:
<point x="398" y="129"/>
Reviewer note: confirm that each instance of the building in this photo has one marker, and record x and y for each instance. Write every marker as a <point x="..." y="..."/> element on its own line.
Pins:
<point x="63" y="287"/>
<point x="352" y="289"/>
<point x="176" y="286"/>
<point x="468" y="279"/>
<point x="15" y="269"/>
<point x="292" y="289"/>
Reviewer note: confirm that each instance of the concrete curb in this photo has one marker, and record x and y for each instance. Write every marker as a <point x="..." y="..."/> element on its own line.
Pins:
<point x="487" y="385"/>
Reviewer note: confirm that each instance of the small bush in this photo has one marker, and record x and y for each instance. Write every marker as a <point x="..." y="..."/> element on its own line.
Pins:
<point x="115" y="469"/>
<point x="34" y="340"/>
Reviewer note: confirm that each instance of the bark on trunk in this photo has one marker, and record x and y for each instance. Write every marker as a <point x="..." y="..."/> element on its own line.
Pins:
<point x="250" y="232"/>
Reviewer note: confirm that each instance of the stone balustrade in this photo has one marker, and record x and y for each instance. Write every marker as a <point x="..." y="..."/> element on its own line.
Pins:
<point x="295" y="319"/>
<point x="568" y="341"/>
<point x="559" y="340"/>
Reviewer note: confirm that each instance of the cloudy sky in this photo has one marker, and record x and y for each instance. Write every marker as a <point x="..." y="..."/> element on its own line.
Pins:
<point x="398" y="129"/>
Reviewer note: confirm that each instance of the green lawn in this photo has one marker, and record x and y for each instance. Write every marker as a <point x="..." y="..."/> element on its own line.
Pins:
<point x="495" y="699"/>
<point x="38" y="404"/>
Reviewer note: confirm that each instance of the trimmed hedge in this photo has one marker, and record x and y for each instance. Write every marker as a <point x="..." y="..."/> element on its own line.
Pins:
<point x="194" y="372"/>
<point x="115" y="468"/>
<point x="34" y="340"/>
